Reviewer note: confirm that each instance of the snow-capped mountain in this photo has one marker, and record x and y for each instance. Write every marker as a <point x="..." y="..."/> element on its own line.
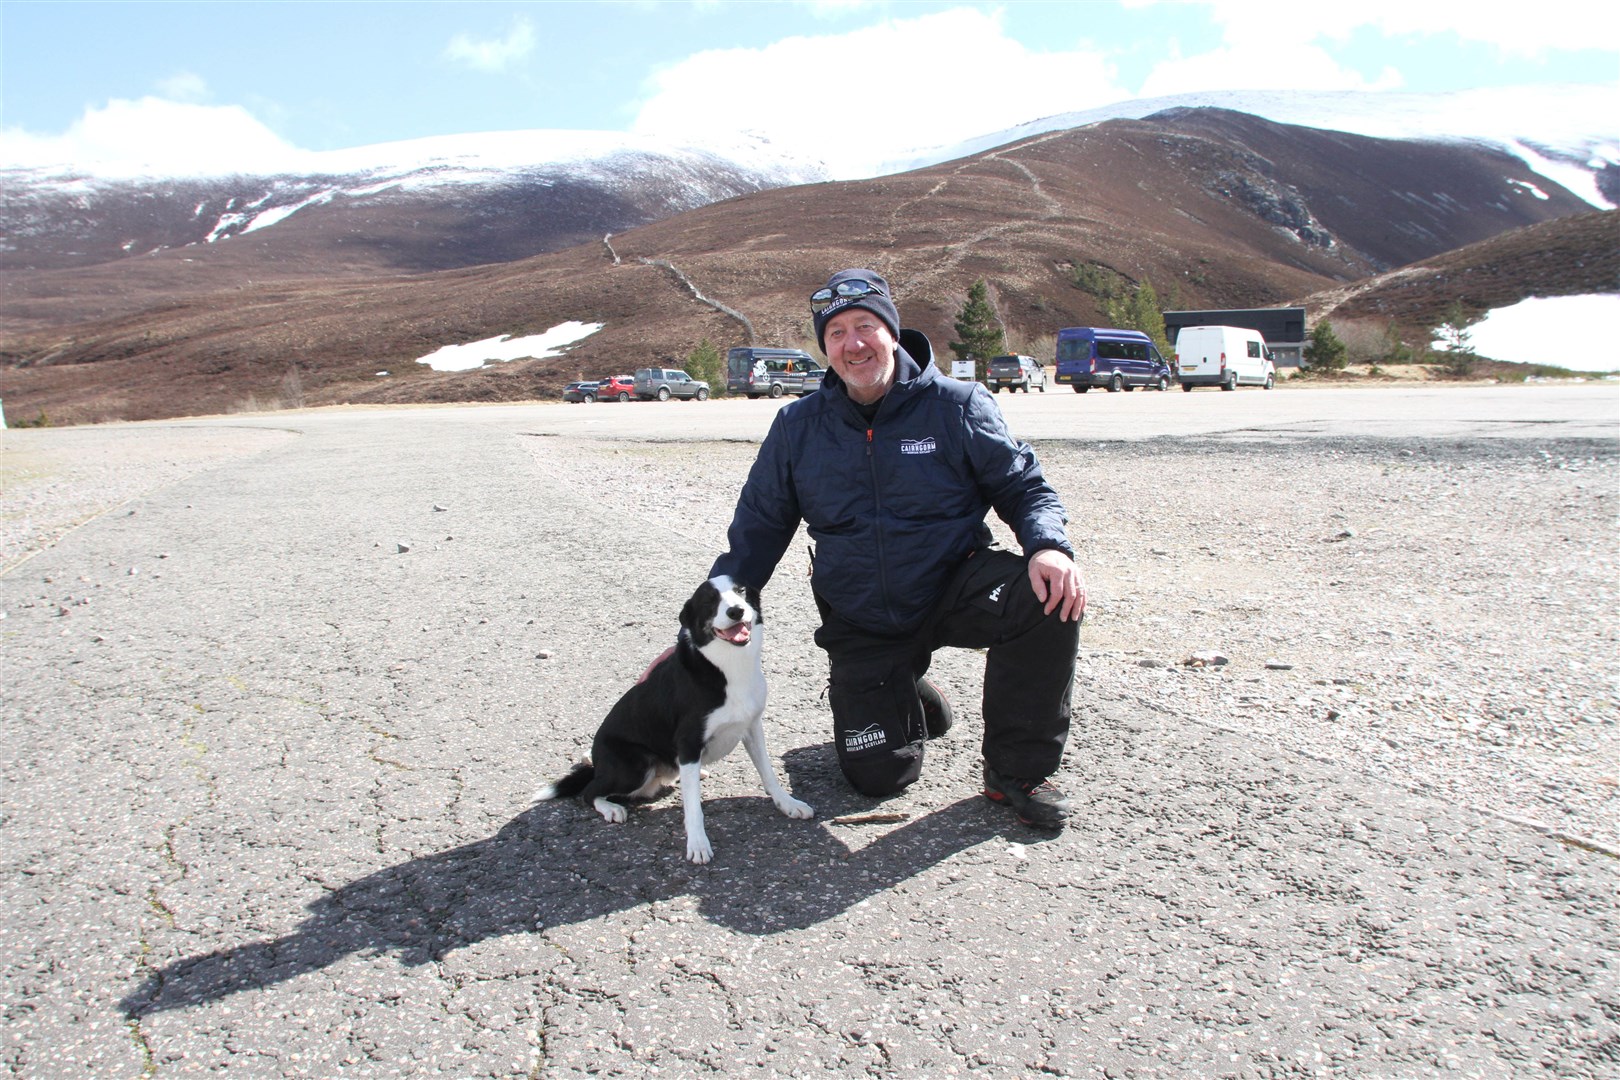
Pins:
<point x="535" y="190"/>
<point x="1216" y="208"/>
<point x="1569" y="134"/>
<point x="496" y="196"/>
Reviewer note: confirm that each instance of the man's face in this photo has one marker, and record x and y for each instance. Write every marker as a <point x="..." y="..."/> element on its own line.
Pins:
<point x="861" y="350"/>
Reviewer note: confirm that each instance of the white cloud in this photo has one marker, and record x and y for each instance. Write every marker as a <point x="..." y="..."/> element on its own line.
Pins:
<point x="183" y="86"/>
<point x="1259" y="66"/>
<point x="155" y="136"/>
<point x="493" y="55"/>
<point x="1266" y="45"/>
<point x="1284" y="45"/>
<point x="1507" y="25"/>
<point x="836" y="9"/>
<point x="874" y="94"/>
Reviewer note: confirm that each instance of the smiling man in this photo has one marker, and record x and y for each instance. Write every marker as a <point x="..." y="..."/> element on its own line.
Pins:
<point x="892" y="467"/>
<point x="862" y="350"/>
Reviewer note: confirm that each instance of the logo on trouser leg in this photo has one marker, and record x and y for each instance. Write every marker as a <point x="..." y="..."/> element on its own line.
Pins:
<point x="865" y="739"/>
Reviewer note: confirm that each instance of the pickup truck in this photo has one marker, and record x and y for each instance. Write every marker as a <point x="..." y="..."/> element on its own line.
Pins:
<point x="1018" y="372"/>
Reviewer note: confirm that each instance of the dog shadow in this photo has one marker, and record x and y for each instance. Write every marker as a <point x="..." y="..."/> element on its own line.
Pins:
<point x="557" y="863"/>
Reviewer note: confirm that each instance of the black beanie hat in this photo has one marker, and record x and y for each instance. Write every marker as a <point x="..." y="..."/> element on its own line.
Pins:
<point x="878" y="303"/>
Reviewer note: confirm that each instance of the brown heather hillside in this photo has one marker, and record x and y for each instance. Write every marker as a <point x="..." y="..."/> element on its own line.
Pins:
<point x="1216" y="209"/>
<point x="1572" y="256"/>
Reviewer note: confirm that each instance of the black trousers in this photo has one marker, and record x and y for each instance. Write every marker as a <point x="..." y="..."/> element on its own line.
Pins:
<point x="989" y="604"/>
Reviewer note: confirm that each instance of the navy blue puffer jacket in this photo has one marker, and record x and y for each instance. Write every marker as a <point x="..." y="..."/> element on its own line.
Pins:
<point x="894" y="507"/>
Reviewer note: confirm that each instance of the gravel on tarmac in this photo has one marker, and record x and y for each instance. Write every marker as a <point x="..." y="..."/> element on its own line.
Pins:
<point x="1345" y="759"/>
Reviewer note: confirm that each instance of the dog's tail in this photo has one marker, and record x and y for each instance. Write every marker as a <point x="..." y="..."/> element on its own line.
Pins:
<point x="568" y="786"/>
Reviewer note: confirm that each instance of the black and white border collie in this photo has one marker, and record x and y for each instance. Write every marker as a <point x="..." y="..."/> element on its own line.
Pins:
<point x="693" y="707"/>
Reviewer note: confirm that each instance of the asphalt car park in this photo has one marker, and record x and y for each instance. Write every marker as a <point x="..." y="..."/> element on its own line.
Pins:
<point x="275" y="723"/>
<point x="1397" y="411"/>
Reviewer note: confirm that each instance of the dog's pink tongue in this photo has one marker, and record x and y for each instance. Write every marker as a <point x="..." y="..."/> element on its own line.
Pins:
<point x="737" y="635"/>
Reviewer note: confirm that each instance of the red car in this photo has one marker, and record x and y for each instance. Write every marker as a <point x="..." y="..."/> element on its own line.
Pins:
<point x="615" y="388"/>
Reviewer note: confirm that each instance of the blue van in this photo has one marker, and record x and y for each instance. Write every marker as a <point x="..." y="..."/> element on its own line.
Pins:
<point x="1090" y="356"/>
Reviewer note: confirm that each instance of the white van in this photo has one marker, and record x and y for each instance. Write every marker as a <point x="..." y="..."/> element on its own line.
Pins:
<point x="1223" y="356"/>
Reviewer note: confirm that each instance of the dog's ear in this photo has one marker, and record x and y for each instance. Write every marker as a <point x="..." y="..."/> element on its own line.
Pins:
<point x="751" y="594"/>
<point x="698" y="610"/>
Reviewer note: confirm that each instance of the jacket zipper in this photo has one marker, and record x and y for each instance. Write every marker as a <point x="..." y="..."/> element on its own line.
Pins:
<point x="877" y="527"/>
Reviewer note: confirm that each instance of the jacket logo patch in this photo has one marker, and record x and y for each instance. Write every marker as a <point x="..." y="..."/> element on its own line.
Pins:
<point x="995" y="593"/>
<point x="918" y="446"/>
<point x="864" y="739"/>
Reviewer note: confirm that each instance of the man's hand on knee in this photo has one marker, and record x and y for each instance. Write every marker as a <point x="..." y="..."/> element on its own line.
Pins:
<point x="1058" y="583"/>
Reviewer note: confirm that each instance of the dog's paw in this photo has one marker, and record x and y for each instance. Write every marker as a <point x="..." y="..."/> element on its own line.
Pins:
<point x="611" y="812"/>
<point x="698" y="849"/>
<point x="793" y="808"/>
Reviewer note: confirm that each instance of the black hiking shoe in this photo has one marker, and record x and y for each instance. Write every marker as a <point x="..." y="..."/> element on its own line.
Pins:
<point x="1036" y="802"/>
<point x="937" y="715"/>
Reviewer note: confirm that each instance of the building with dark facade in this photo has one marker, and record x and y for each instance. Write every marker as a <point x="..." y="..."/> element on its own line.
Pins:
<point x="1283" y="328"/>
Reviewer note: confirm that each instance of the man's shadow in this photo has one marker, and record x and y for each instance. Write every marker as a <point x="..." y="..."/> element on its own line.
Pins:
<point x="558" y="863"/>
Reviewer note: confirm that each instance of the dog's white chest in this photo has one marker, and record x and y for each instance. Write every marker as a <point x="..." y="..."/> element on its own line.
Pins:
<point x="744" y="704"/>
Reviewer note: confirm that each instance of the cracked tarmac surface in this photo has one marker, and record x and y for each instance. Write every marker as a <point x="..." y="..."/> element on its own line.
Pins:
<point x="265" y="805"/>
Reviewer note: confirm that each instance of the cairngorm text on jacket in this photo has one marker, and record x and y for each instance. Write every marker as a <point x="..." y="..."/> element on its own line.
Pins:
<point x="895" y="505"/>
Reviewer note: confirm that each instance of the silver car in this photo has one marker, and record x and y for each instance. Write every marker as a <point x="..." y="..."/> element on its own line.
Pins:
<point x="661" y="384"/>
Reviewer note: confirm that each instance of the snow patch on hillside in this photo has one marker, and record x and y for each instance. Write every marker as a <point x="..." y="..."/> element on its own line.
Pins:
<point x="234" y="224"/>
<point x="1539" y="331"/>
<point x="475" y="354"/>
<point x="1578" y="181"/>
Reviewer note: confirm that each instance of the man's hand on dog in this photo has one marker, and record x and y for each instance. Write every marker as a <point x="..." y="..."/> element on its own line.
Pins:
<point x="659" y="659"/>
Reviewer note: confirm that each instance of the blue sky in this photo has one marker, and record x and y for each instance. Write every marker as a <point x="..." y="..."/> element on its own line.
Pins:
<point x="75" y="77"/>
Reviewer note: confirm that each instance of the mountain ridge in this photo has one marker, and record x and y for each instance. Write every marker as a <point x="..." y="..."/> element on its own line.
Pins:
<point x="1568" y="132"/>
<point x="1217" y="209"/>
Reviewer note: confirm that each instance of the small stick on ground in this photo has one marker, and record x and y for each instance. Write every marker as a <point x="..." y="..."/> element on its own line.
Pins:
<point x="879" y="818"/>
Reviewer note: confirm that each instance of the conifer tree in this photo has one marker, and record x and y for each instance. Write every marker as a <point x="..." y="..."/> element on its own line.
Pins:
<point x="1453" y="333"/>
<point x="706" y="363"/>
<point x="1140" y="311"/>
<point x="1325" y="351"/>
<point x="978" y="330"/>
<point x="1457" y="356"/>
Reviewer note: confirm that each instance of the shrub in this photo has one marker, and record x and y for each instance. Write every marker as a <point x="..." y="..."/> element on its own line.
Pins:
<point x="706" y="363"/>
<point x="1042" y="347"/>
<point x="1325" y="351"/>
<point x="1098" y="280"/>
<point x="1455" y="363"/>
<point x="292" y="389"/>
<point x="1140" y="311"/>
<point x="1370" y="341"/>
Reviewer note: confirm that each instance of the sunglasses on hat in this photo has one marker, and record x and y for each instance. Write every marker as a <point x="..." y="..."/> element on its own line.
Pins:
<point x="822" y="299"/>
